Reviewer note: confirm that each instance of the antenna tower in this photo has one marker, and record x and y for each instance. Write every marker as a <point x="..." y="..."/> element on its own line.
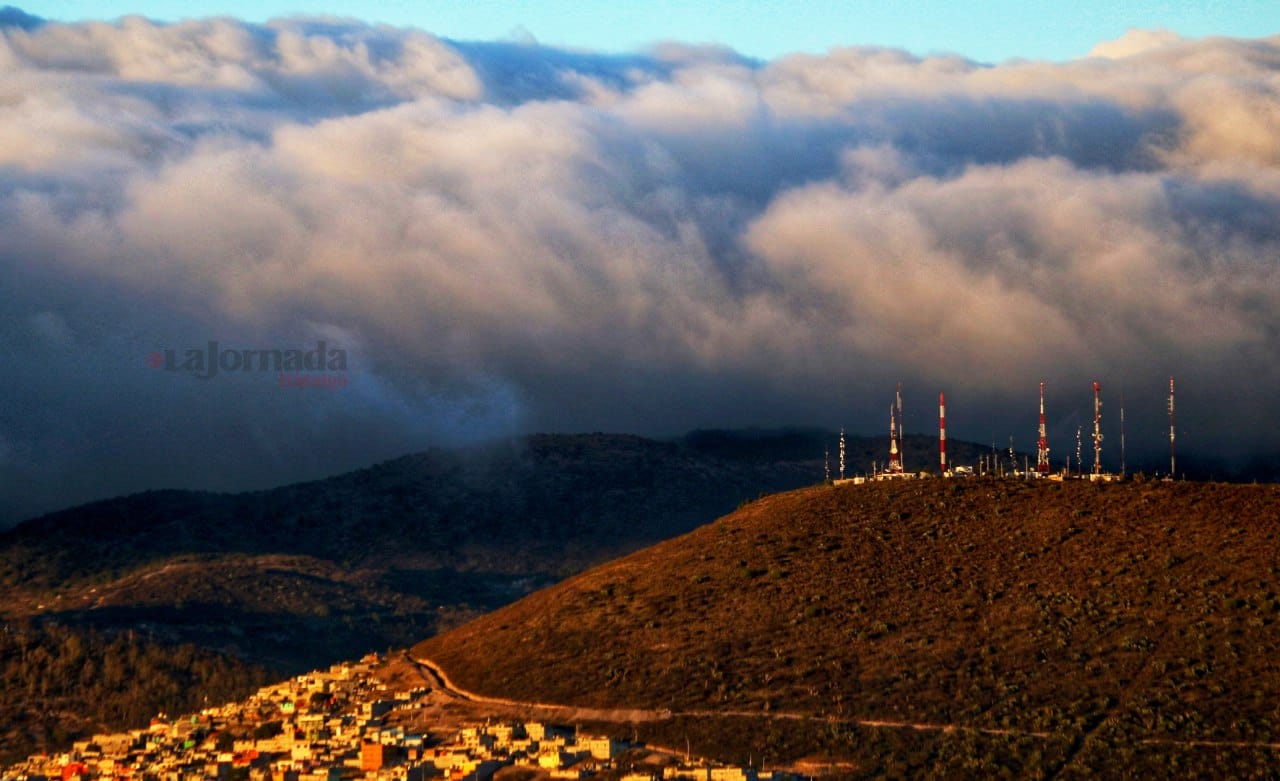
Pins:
<point x="841" y="453"/>
<point x="1042" y="458"/>
<point x="895" y="463"/>
<point x="826" y="462"/>
<point x="942" y="433"/>
<point x="1097" y="428"/>
<point x="1079" y="462"/>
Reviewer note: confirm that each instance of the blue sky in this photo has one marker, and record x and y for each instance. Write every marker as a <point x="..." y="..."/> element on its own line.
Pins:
<point x="990" y="31"/>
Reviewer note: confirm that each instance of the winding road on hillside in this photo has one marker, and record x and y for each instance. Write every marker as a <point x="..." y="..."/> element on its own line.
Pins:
<point x="439" y="679"/>
<point x="435" y="676"/>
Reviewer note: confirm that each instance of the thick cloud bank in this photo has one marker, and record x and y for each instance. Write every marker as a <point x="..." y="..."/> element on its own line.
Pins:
<point x="506" y="237"/>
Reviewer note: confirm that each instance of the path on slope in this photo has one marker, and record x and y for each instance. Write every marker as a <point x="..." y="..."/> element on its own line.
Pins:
<point x="440" y="679"/>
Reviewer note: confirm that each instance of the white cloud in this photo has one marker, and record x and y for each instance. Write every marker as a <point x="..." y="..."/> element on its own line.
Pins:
<point x="645" y="242"/>
<point x="1134" y="41"/>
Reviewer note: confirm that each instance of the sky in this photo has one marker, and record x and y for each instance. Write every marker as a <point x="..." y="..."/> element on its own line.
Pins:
<point x="988" y="32"/>
<point x="489" y="237"/>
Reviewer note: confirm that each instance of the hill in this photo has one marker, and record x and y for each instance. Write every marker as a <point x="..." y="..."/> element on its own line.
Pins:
<point x="464" y="529"/>
<point x="385" y="555"/>
<point x="1104" y="627"/>
<point x="293" y="578"/>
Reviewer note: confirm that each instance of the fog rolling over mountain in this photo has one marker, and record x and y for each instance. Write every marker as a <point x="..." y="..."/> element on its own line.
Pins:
<point x="508" y="237"/>
<point x="304" y="574"/>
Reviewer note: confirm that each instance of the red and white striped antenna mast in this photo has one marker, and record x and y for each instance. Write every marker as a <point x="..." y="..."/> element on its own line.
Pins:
<point x="1173" y="462"/>
<point x="1097" y="428"/>
<point x="942" y="433"/>
<point x="895" y="463"/>
<point x="1042" y="457"/>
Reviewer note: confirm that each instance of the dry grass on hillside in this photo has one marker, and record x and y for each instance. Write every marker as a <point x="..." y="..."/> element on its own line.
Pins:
<point x="1101" y="614"/>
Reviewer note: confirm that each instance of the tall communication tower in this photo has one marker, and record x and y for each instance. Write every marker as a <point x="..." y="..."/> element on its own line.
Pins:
<point x="826" y="462"/>
<point x="942" y="433"/>
<point x="1173" y="461"/>
<point x="1079" y="456"/>
<point x="895" y="462"/>
<point x="1097" y="428"/>
<point x="841" y="453"/>
<point x="1042" y="458"/>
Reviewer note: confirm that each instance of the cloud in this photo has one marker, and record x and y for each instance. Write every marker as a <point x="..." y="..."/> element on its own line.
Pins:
<point x="508" y="237"/>
<point x="298" y="59"/>
<point x="936" y="270"/>
<point x="1135" y="41"/>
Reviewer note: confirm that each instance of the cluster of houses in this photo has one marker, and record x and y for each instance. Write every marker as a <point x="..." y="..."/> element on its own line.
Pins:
<point x="341" y="725"/>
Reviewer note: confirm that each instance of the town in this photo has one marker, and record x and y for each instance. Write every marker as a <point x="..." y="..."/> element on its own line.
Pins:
<point x="347" y="723"/>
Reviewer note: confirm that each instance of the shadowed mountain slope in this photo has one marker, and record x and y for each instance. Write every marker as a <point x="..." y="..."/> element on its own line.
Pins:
<point x="337" y="567"/>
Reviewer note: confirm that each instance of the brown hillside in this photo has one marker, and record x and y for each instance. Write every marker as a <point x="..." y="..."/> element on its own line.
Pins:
<point x="1102" y="615"/>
